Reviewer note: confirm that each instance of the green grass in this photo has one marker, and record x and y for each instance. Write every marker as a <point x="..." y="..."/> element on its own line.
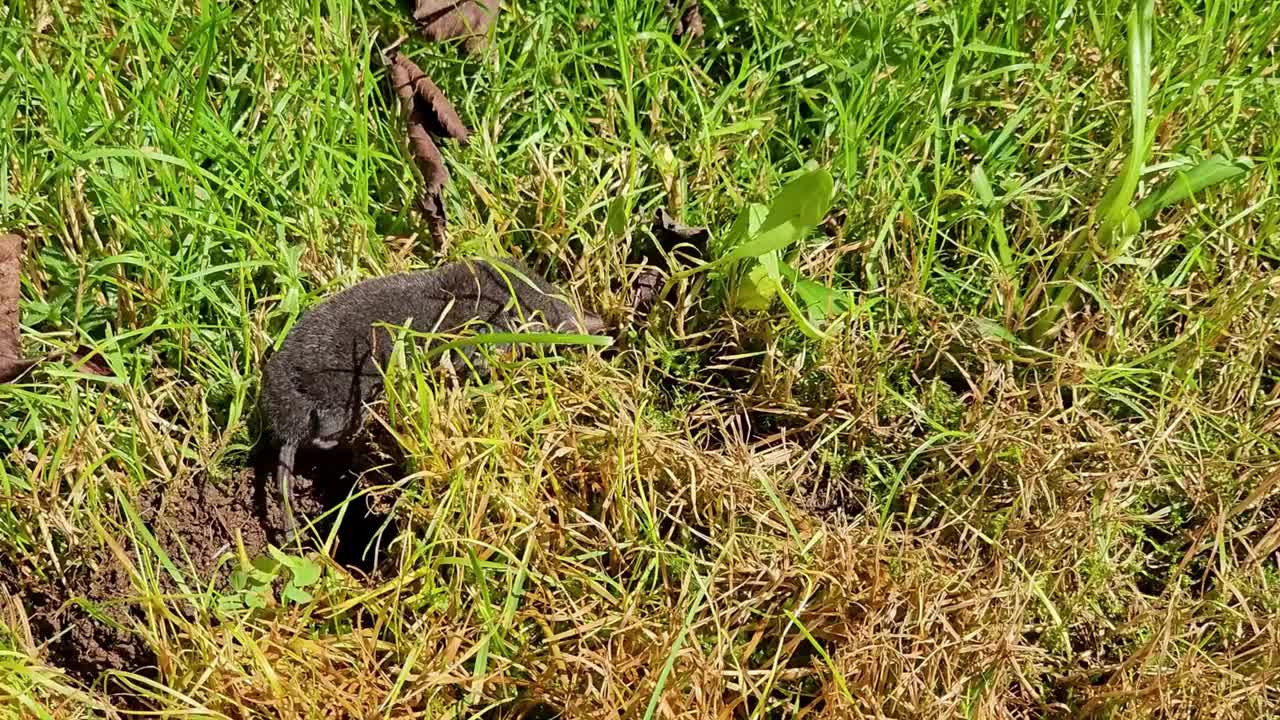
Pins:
<point x="950" y="508"/>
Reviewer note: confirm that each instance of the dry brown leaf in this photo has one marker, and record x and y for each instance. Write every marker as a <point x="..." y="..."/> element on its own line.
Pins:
<point x="428" y="113"/>
<point x="669" y="232"/>
<point x="444" y="20"/>
<point x="430" y="161"/>
<point x="12" y="363"/>
<point x="423" y="101"/>
<point x="427" y="8"/>
<point x="85" y="360"/>
<point x="436" y="175"/>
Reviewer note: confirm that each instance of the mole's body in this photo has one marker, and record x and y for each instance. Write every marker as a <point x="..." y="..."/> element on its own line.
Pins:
<point x="330" y="365"/>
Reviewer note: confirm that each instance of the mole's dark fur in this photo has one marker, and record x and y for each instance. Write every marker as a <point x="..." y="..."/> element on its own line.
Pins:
<point x="316" y="386"/>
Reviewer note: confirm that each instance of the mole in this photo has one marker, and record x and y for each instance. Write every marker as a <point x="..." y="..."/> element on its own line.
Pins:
<point x="316" y="386"/>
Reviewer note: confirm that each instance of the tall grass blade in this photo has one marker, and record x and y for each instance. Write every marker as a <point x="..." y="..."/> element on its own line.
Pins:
<point x="1115" y="210"/>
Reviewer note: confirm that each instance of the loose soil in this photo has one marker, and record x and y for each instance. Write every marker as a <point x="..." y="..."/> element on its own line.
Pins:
<point x="82" y="618"/>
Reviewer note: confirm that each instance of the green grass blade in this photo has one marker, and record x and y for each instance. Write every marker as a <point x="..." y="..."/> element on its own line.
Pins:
<point x="770" y="262"/>
<point x="670" y="663"/>
<point x="1183" y="184"/>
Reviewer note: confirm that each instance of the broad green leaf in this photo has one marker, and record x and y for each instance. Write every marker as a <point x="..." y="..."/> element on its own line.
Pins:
<point x="1185" y="183"/>
<point x="269" y="563"/>
<point x="264" y="569"/>
<point x="293" y="593"/>
<point x="616" y="220"/>
<point x="982" y="185"/>
<point x="256" y="598"/>
<point x="239" y="580"/>
<point x="820" y="300"/>
<point x="746" y="225"/>
<point x="797" y="209"/>
<point x="756" y="291"/>
<point x="995" y="330"/>
<point x="770" y="262"/>
<point x="806" y="327"/>
<point x="305" y="572"/>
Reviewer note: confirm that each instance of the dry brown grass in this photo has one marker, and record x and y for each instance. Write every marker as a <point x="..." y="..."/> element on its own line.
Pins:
<point x="910" y="552"/>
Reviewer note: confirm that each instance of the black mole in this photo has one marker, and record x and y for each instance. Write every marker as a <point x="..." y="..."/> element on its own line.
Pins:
<point x="315" y="387"/>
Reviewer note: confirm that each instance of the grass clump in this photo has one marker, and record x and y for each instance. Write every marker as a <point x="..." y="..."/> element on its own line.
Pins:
<point x="1026" y="468"/>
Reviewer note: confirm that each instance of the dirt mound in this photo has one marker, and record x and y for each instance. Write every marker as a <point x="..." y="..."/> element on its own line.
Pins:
<point x="84" y="617"/>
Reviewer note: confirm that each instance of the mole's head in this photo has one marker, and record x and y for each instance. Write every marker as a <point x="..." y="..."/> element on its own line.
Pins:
<point x="571" y="320"/>
<point x="544" y="304"/>
<point x="306" y="403"/>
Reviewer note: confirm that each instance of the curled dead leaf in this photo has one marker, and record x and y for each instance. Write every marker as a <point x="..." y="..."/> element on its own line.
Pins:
<point x="430" y="161"/>
<point x="669" y="232"/>
<point x="434" y="173"/>
<point x="423" y="101"/>
<point x="442" y="19"/>
<point x="429" y="113"/>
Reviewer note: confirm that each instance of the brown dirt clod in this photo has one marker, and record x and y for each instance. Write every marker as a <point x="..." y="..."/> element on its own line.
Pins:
<point x="644" y="291"/>
<point x="12" y="363"/>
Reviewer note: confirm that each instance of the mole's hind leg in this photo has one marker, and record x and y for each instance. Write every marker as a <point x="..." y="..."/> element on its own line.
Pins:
<point x="284" y="476"/>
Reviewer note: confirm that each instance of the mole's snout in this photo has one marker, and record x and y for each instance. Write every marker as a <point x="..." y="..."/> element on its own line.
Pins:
<point x="593" y="324"/>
